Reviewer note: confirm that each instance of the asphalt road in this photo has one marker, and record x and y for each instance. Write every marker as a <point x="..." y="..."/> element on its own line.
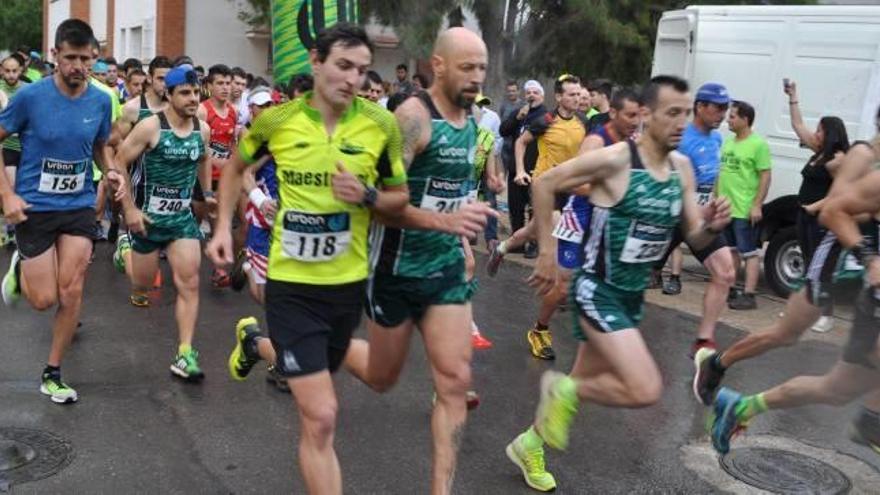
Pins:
<point x="137" y="430"/>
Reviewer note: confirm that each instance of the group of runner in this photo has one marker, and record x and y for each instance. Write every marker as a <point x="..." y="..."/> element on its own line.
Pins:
<point x="333" y="206"/>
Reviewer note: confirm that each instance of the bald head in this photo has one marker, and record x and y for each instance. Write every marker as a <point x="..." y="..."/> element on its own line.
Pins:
<point x="456" y="40"/>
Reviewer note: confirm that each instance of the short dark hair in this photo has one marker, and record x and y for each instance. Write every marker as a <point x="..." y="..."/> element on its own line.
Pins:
<point x="75" y="33"/>
<point x="300" y="83"/>
<point x="198" y="68"/>
<point x="182" y="59"/>
<point x="374" y="76"/>
<point x="131" y="63"/>
<point x="111" y="61"/>
<point x="402" y="66"/>
<point x="422" y="80"/>
<point x="135" y="72"/>
<point x="218" y="70"/>
<point x="512" y="82"/>
<point x="744" y="110"/>
<point x="159" y="62"/>
<point x="239" y="72"/>
<point x="623" y="95"/>
<point x="24" y="49"/>
<point x="651" y="90"/>
<point x="17" y="57"/>
<point x="603" y="86"/>
<point x="563" y="80"/>
<point x="346" y="34"/>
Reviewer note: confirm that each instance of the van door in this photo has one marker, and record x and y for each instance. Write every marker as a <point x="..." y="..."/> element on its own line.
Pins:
<point x="673" y="51"/>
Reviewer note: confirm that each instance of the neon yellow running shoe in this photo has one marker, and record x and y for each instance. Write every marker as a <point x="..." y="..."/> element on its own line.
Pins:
<point x="240" y="364"/>
<point x="557" y="409"/>
<point x="531" y="463"/>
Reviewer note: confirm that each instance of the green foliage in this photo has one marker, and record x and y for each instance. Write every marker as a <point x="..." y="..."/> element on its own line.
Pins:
<point x="21" y="23"/>
<point x="258" y="15"/>
<point x="415" y="21"/>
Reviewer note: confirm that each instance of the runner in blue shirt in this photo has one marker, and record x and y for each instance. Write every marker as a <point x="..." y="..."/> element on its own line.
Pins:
<point x="64" y="123"/>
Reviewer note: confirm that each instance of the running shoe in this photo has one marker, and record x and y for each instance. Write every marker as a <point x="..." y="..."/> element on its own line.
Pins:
<point x="672" y="286"/>
<point x="472" y="399"/>
<point x="531" y="463"/>
<point x="139" y="300"/>
<point x="238" y="277"/>
<point x="541" y="344"/>
<point x="11" y="291"/>
<point x="556" y="411"/>
<point x="219" y="278"/>
<point x="699" y="344"/>
<point x="123" y="246"/>
<point x="496" y="257"/>
<point x="824" y="324"/>
<point x="57" y="390"/>
<point x="275" y="378"/>
<point x="742" y="302"/>
<point x="186" y="366"/>
<point x="479" y="342"/>
<point x="725" y="423"/>
<point x="865" y="430"/>
<point x="706" y="378"/>
<point x="240" y="364"/>
<point x="531" y="250"/>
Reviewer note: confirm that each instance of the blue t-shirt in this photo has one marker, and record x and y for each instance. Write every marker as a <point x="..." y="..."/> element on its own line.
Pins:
<point x="57" y="137"/>
<point x="704" y="150"/>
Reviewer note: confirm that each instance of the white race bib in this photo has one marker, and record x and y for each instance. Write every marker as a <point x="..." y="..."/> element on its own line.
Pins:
<point x="568" y="228"/>
<point x="63" y="177"/>
<point x="314" y="237"/>
<point x="704" y="194"/>
<point x="445" y="196"/>
<point x="168" y="200"/>
<point x="645" y="243"/>
<point x="219" y="150"/>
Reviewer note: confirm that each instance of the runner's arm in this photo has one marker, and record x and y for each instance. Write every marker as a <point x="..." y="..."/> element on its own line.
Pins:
<point x="519" y="151"/>
<point x="137" y="141"/>
<point x="590" y="143"/>
<point x="841" y="211"/>
<point x="124" y="123"/>
<point x="700" y="225"/>
<point x="855" y="164"/>
<point x="205" y="162"/>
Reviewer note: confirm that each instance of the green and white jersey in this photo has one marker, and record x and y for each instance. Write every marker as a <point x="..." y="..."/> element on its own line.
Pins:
<point x="12" y="142"/>
<point x="440" y="179"/>
<point x="626" y="239"/>
<point x="170" y="171"/>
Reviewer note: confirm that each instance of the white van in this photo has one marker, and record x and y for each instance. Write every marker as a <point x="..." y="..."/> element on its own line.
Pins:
<point x="831" y="52"/>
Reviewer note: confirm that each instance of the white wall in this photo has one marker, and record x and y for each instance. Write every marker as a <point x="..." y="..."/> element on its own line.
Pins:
<point x="129" y="16"/>
<point x="59" y="11"/>
<point x="215" y="35"/>
<point x="98" y="19"/>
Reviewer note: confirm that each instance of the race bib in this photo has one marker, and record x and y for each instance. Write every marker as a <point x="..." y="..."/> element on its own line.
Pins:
<point x="63" y="177"/>
<point x="445" y="195"/>
<point x="166" y="200"/>
<point x="315" y="237"/>
<point x="569" y="228"/>
<point x="219" y="150"/>
<point x="645" y="243"/>
<point x="704" y="194"/>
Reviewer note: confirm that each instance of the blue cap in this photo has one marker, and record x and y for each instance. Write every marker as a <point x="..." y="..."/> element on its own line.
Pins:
<point x="100" y="67"/>
<point x="713" y="93"/>
<point x="181" y="75"/>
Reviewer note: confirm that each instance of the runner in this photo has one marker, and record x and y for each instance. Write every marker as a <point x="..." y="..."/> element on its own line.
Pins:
<point x="63" y="122"/>
<point x="221" y="117"/>
<point x="857" y="372"/>
<point x="641" y="192"/>
<point x="419" y="277"/>
<point x="10" y="83"/>
<point x="172" y="143"/>
<point x="318" y="249"/>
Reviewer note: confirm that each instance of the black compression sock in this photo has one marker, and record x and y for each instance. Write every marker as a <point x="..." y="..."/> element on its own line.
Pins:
<point x="52" y="372"/>
<point x="541" y="327"/>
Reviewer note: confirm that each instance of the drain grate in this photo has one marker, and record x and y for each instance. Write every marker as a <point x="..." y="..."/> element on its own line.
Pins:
<point x="30" y="455"/>
<point x="785" y="472"/>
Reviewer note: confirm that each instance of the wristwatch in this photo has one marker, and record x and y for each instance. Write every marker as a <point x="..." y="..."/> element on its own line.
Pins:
<point x="371" y="194"/>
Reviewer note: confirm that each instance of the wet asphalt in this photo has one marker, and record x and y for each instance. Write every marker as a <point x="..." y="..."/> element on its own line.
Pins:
<point x="138" y="430"/>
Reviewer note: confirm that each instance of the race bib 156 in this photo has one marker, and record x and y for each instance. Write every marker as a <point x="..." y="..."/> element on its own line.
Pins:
<point x="63" y="177"/>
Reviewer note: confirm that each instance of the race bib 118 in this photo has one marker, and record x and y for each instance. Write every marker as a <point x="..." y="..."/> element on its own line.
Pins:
<point x="312" y="237"/>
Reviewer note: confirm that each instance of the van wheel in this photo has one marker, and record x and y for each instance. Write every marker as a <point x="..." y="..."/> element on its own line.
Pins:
<point x="784" y="264"/>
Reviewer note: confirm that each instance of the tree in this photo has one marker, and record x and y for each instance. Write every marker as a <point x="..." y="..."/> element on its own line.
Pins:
<point x="21" y="23"/>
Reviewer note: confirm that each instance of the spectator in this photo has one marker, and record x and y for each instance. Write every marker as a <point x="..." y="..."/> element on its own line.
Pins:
<point x="744" y="180"/>
<point x="600" y="98"/>
<point x="512" y="102"/>
<point x="490" y="121"/>
<point x="299" y="84"/>
<point x="829" y="143"/>
<point x="512" y="128"/>
<point x="403" y="85"/>
<point x="420" y="83"/>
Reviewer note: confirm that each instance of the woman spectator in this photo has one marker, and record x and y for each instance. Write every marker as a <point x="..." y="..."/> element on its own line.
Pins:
<point x="829" y="143"/>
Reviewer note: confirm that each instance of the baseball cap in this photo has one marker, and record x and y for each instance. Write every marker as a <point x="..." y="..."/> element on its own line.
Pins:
<point x="482" y="100"/>
<point x="713" y="93"/>
<point x="260" y="96"/>
<point x="100" y="67"/>
<point x="181" y="75"/>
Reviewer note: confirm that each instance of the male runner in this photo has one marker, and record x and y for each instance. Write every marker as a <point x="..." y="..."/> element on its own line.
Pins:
<point x="10" y="83"/>
<point x="221" y="117"/>
<point x="805" y="306"/>
<point x="560" y="135"/>
<point x="701" y="143"/>
<point x="857" y="372"/>
<point x="419" y="277"/>
<point x="318" y="251"/>
<point x="173" y="144"/>
<point x="64" y="123"/>
<point x="640" y="192"/>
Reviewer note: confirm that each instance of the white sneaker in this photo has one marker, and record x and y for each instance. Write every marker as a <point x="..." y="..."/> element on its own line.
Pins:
<point x="823" y="325"/>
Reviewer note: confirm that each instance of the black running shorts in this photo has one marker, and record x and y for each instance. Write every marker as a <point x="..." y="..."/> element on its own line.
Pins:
<point x="39" y="232"/>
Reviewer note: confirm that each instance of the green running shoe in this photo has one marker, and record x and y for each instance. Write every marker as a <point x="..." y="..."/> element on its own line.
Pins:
<point x="239" y="362"/>
<point x="9" y="288"/>
<point x="556" y="410"/>
<point x="186" y="366"/>
<point x="57" y="390"/>
<point x="123" y="245"/>
<point x="531" y="463"/>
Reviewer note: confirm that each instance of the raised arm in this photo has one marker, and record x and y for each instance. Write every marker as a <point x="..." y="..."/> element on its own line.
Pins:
<point x="797" y="120"/>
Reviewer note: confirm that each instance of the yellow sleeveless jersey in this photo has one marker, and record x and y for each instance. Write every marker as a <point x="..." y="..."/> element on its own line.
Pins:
<point x="317" y="239"/>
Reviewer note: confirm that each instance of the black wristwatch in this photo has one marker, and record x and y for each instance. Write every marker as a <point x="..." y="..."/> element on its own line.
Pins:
<point x="371" y="194"/>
